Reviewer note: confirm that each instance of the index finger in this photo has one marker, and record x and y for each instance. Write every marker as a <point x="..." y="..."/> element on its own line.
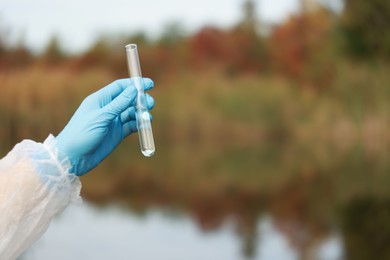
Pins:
<point x="112" y="90"/>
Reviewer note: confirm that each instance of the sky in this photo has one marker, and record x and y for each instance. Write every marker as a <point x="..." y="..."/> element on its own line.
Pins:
<point x="78" y="23"/>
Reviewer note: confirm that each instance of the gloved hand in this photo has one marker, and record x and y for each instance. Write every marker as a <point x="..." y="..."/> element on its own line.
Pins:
<point x="101" y="122"/>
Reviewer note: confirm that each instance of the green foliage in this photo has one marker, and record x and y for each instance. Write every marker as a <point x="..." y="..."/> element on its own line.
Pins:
<point x="366" y="27"/>
<point x="53" y="52"/>
<point x="13" y="56"/>
<point x="138" y="38"/>
<point x="172" y="34"/>
<point x="2" y="40"/>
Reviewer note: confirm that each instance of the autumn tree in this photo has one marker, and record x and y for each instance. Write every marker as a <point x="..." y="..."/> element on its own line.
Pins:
<point x="302" y="47"/>
<point x="239" y="49"/>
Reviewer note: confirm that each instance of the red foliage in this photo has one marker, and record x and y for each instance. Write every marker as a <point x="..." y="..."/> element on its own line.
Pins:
<point x="300" y="47"/>
<point x="236" y="50"/>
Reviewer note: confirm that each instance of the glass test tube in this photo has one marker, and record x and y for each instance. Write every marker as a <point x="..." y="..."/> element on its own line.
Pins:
<point x="141" y="109"/>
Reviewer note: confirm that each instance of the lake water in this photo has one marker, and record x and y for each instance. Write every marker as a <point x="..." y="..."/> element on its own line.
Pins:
<point x="284" y="203"/>
<point x="113" y="232"/>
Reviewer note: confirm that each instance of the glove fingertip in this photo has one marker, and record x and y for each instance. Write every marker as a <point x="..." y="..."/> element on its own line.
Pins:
<point x="150" y="101"/>
<point x="148" y="83"/>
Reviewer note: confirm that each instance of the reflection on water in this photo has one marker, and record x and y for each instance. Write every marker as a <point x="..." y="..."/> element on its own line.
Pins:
<point x="267" y="202"/>
<point x="86" y="232"/>
<point x="366" y="228"/>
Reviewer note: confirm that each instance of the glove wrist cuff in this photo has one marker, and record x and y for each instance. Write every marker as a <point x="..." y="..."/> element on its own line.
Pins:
<point x="52" y="144"/>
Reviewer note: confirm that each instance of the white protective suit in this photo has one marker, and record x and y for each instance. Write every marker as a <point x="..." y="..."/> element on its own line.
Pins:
<point x="35" y="185"/>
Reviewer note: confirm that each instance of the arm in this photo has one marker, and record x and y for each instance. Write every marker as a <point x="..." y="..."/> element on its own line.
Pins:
<point x="38" y="180"/>
<point x="34" y="187"/>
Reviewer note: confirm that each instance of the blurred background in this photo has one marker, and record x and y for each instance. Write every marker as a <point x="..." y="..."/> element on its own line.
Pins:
<point x="271" y="125"/>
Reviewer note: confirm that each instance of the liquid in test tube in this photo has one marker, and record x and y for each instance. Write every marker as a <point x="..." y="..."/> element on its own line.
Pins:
<point x="144" y="125"/>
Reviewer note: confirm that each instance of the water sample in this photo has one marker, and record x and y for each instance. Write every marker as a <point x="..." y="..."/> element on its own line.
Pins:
<point x="142" y="116"/>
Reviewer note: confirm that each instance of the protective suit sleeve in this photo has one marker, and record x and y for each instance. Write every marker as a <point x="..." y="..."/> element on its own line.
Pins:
<point x="35" y="185"/>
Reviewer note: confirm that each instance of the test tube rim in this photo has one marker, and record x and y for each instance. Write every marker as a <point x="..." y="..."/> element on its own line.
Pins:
<point x="131" y="46"/>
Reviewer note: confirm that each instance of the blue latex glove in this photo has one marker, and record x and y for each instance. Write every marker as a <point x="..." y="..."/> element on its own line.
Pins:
<point x="101" y="122"/>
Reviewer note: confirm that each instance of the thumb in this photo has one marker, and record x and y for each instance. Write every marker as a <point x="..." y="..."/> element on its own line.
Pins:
<point x="121" y="102"/>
